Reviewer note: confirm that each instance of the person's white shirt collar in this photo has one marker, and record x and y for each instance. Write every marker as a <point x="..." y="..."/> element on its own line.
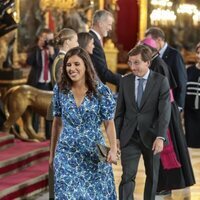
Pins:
<point x="162" y="51"/>
<point x="97" y="34"/>
<point x="145" y="76"/>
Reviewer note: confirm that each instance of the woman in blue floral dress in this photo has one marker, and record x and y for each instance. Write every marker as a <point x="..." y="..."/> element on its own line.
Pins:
<point x="81" y="104"/>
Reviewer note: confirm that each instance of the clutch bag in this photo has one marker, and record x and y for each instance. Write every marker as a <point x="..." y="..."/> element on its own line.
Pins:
<point x="103" y="152"/>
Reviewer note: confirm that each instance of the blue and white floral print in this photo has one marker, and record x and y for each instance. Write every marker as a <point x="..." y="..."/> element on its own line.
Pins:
<point x="78" y="173"/>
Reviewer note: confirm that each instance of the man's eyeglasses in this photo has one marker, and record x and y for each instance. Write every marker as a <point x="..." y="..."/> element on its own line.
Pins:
<point x="135" y="63"/>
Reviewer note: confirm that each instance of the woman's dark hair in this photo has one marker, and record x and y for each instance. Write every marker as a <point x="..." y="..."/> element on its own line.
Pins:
<point x="84" y="38"/>
<point x="90" y="75"/>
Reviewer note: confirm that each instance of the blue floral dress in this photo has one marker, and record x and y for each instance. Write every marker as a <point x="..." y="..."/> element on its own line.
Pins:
<point x="79" y="175"/>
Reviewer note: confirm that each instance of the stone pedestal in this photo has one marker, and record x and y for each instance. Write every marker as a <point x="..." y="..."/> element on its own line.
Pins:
<point x="6" y="84"/>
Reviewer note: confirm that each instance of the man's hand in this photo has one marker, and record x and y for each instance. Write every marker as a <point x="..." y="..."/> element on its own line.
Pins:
<point x="118" y="149"/>
<point x="51" y="50"/>
<point x="158" y="145"/>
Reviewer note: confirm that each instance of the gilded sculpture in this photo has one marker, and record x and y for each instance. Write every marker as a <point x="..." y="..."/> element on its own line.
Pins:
<point x="19" y="102"/>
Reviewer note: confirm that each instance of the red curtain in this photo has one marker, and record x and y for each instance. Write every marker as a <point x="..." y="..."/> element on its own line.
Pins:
<point x="127" y="26"/>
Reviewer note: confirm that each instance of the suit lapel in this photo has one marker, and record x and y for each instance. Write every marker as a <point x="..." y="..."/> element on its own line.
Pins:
<point x="165" y="55"/>
<point x="131" y="89"/>
<point x="39" y="57"/>
<point x="149" y="87"/>
<point x="96" y="39"/>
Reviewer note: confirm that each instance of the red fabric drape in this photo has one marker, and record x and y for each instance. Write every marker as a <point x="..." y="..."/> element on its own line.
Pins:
<point x="127" y="23"/>
<point x="51" y="22"/>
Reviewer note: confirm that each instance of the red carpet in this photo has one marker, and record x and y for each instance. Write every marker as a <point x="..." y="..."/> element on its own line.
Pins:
<point x="6" y="140"/>
<point x="23" y="168"/>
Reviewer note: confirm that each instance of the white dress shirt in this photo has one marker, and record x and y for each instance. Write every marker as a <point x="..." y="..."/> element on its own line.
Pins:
<point x="162" y="51"/>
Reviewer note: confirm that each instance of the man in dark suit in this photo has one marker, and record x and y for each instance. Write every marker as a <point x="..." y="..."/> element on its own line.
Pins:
<point x="40" y="77"/>
<point x="101" y="25"/>
<point x="141" y="122"/>
<point x="174" y="60"/>
<point x="40" y="59"/>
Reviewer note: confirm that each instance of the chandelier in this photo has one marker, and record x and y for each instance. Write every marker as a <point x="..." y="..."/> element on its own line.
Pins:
<point x="165" y="17"/>
<point x="164" y="12"/>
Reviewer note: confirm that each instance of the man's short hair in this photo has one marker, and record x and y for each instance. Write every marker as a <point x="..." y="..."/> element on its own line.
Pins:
<point x="155" y="33"/>
<point x="44" y="30"/>
<point x="101" y="15"/>
<point x="143" y="50"/>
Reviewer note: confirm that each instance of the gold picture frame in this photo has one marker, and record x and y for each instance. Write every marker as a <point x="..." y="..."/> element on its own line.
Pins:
<point x="143" y="5"/>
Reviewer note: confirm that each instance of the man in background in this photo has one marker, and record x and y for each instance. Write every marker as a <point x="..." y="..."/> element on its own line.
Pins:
<point x="174" y="60"/>
<point x="101" y="25"/>
<point x="40" y="58"/>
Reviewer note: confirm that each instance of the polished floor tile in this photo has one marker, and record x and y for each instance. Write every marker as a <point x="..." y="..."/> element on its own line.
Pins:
<point x="191" y="193"/>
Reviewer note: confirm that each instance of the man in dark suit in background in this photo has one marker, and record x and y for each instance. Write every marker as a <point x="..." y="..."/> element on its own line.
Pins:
<point x="174" y="60"/>
<point x="40" y="59"/>
<point x="101" y="25"/>
<point x="141" y="121"/>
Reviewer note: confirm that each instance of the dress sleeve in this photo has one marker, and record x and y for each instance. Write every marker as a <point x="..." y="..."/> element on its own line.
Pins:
<point x="107" y="103"/>
<point x="57" y="111"/>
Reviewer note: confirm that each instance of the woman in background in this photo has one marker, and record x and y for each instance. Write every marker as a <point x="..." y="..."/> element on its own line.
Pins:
<point x="65" y="40"/>
<point x="86" y="41"/>
<point x="192" y="103"/>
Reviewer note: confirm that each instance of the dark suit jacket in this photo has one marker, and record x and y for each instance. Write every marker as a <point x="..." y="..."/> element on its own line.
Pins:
<point x="100" y="64"/>
<point x="158" y="65"/>
<point x="152" y="119"/>
<point x="35" y="61"/>
<point x="175" y="61"/>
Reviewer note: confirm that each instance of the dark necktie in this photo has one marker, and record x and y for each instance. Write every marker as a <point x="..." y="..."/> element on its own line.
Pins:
<point x="140" y="91"/>
<point x="46" y="64"/>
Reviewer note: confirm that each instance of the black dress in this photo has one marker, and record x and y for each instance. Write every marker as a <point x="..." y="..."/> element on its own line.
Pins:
<point x="192" y="108"/>
<point x="182" y="176"/>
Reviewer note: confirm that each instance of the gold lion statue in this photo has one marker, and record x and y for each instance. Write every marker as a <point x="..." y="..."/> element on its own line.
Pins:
<point x="21" y="101"/>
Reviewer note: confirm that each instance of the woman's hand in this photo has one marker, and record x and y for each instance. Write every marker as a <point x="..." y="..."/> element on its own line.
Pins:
<point x="51" y="162"/>
<point x="112" y="156"/>
<point x="111" y="133"/>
